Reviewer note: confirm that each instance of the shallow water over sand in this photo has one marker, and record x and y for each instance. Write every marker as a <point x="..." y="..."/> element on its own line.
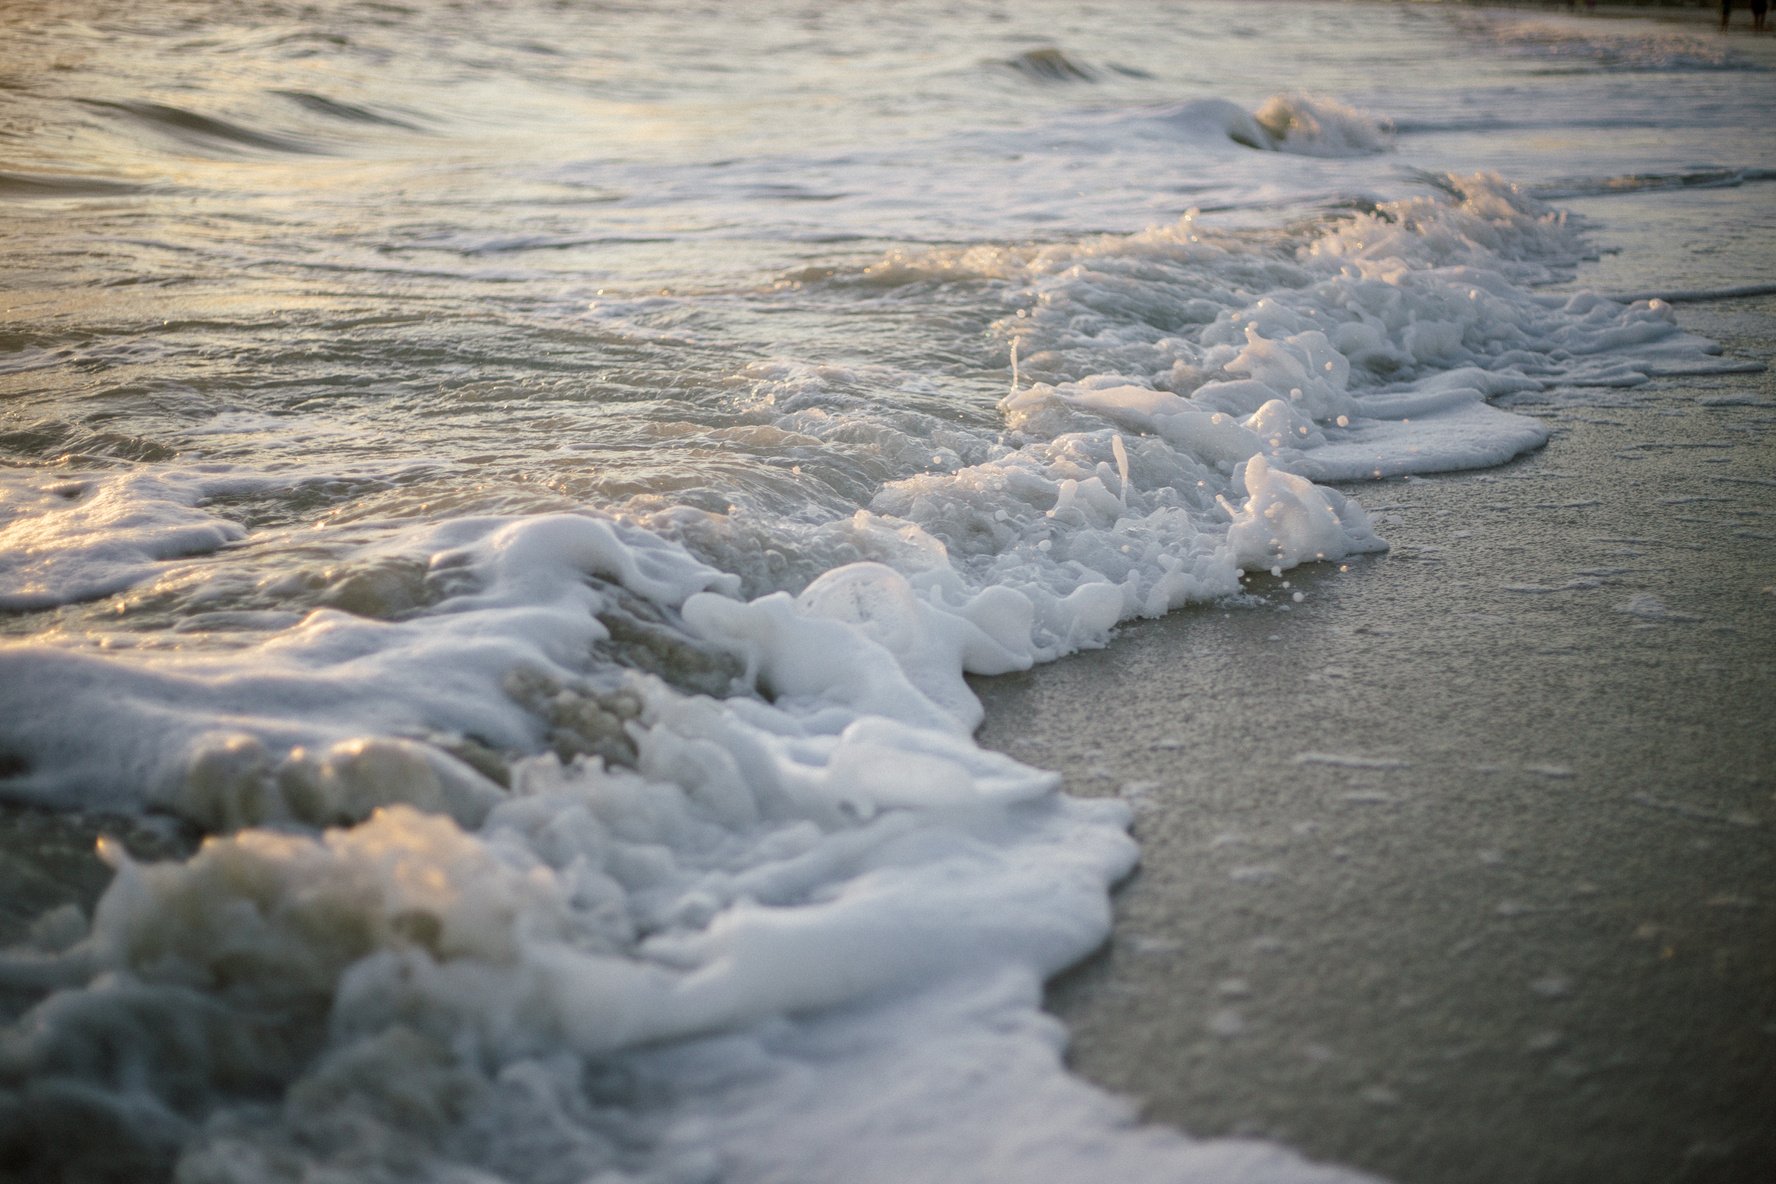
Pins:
<point x="1473" y="883"/>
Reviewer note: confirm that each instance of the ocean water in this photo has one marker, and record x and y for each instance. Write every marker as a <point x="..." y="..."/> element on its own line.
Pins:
<point x="497" y="504"/>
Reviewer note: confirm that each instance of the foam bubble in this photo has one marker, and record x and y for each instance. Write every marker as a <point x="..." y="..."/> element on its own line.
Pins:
<point x="79" y="537"/>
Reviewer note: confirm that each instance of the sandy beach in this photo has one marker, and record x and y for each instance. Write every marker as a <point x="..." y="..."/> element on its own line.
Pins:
<point x="1473" y="883"/>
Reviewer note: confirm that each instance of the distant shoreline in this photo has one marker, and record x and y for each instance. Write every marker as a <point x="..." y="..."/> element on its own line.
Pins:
<point x="1702" y="15"/>
<point x="1691" y="11"/>
<point x="1628" y="7"/>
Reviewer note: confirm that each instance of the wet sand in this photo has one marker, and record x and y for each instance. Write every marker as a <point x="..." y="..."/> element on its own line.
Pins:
<point x="1462" y="868"/>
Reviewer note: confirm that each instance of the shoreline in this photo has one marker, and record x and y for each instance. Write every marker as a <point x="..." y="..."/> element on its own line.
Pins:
<point x="1365" y="922"/>
<point x="1473" y="884"/>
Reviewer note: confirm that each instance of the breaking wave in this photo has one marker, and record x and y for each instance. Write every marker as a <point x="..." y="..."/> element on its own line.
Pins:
<point x="531" y="821"/>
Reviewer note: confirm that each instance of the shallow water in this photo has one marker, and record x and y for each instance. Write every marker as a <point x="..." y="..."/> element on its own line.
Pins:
<point x="528" y="483"/>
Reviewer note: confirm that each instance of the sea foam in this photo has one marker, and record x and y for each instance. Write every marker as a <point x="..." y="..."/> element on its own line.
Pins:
<point x="481" y="900"/>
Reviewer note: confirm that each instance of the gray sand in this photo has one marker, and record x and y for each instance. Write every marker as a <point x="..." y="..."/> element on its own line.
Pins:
<point x="1463" y="868"/>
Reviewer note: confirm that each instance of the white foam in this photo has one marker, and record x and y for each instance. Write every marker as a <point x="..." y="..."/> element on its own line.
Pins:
<point x="332" y="702"/>
<point x="80" y="536"/>
<point x="1319" y="126"/>
<point x="810" y="899"/>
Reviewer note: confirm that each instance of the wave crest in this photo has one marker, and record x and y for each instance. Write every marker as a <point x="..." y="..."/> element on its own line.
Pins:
<point x="1048" y="64"/>
<point x="1312" y="126"/>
